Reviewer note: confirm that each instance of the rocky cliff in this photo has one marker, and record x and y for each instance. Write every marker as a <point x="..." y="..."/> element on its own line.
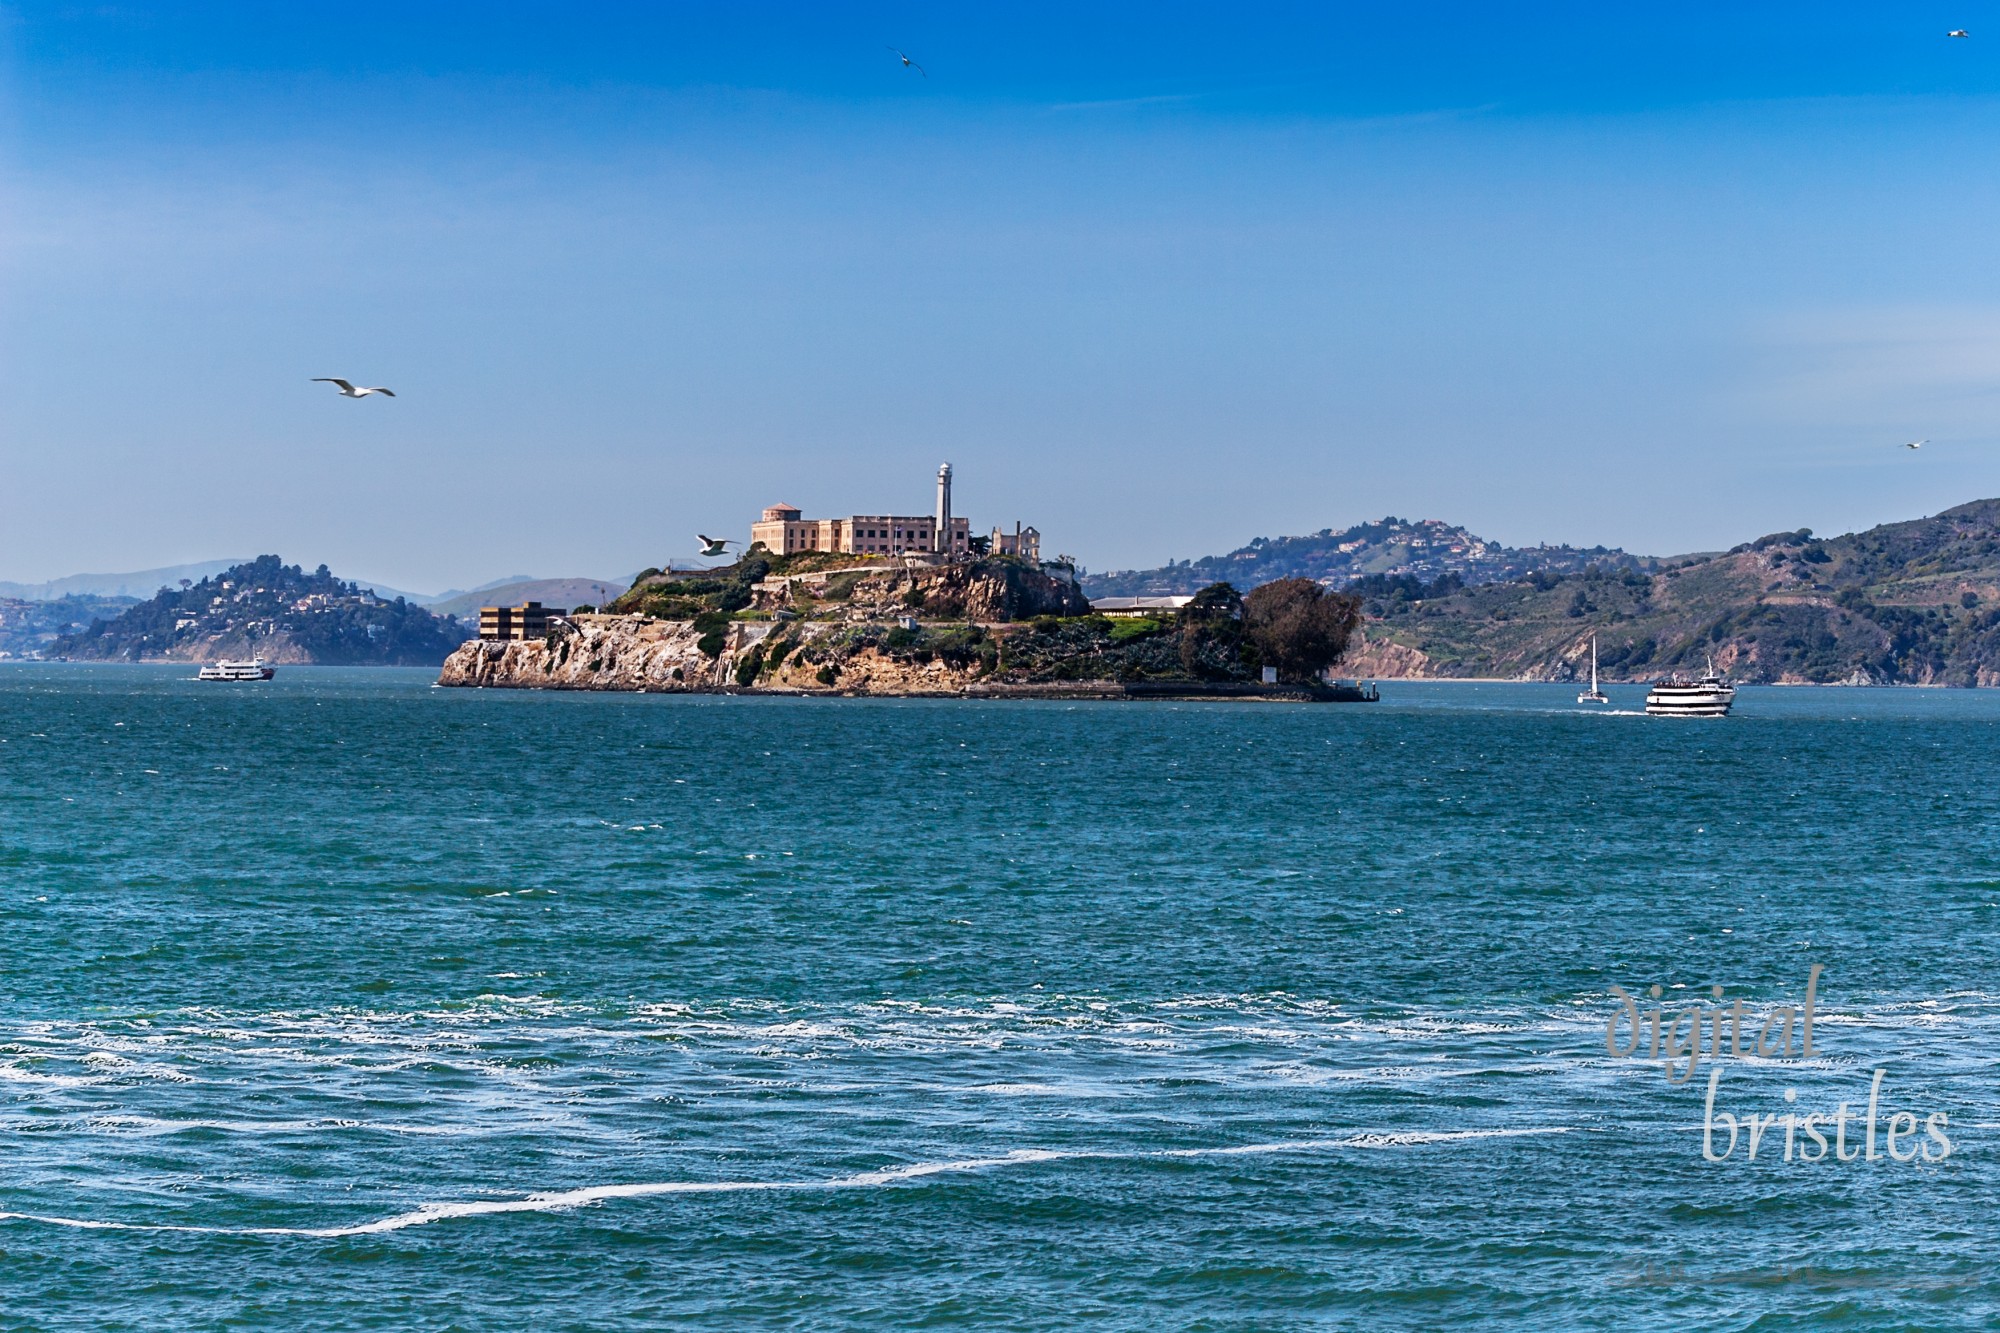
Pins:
<point x="638" y="655"/>
<point x="634" y="653"/>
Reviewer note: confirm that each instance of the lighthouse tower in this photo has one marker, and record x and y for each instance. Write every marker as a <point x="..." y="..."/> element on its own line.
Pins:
<point x="944" y="543"/>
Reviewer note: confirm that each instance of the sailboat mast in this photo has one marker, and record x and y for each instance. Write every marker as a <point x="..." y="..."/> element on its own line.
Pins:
<point x="1593" y="664"/>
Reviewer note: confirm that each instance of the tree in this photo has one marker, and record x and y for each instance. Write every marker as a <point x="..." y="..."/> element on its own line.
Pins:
<point x="1299" y="627"/>
<point x="1218" y="601"/>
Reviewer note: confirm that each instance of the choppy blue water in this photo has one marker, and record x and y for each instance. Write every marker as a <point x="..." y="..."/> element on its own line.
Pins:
<point x="346" y="1002"/>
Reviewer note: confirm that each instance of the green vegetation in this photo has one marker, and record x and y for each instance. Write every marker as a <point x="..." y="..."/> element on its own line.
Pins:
<point x="1209" y="641"/>
<point x="266" y="607"/>
<point x="713" y="627"/>
<point x="1134" y="627"/>
<point x="724" y="590"/>
<point x="1216" y="637"/>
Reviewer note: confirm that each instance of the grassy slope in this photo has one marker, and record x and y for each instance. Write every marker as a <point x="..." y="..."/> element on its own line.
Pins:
<point x="1888" y="602"/>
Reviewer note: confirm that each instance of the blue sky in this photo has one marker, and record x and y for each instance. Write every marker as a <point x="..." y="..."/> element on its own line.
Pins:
<point x="1155" y="278"/>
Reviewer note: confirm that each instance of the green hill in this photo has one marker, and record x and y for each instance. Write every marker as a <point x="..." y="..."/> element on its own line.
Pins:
<point x="266" y="608"/>
<point x="1913" y="603"/>
<point x="1393" y="547"/>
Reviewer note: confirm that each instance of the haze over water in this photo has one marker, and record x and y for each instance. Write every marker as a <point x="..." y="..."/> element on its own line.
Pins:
<point x="853" y="1014"/>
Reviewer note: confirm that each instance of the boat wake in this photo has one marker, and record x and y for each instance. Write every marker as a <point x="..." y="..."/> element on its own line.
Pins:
<point x="565" y="1200"/>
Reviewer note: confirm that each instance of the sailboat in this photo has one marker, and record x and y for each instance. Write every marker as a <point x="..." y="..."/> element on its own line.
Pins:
<point x="1593" y="695"/>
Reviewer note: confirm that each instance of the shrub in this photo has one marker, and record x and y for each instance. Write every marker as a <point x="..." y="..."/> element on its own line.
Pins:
<point x="827" y="674"/>
<point x="778" y="652"/>
<point x="672" y="608"/>
<point x="752" y="663"/>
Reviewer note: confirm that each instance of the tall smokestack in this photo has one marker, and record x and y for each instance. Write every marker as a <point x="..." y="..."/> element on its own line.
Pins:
<point x="944" y="511"/>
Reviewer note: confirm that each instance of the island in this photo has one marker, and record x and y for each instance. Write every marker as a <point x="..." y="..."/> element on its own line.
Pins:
<point x="267" y="609"/>
<point x="992" y="626"/>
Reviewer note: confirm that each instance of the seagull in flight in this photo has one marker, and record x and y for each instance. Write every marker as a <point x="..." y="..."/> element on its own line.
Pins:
<point x="909" y="63"/>
<point x="1958" y="32"/>
<point x="1918" y="444"/>
<point x="350" y="391"/>
<point x="711" y="546"/>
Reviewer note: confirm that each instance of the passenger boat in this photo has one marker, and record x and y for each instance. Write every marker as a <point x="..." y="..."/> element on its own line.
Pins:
<point x="1593" y="695"/>
<point x="1678" y="696"/>
<point x="254" y="669"/>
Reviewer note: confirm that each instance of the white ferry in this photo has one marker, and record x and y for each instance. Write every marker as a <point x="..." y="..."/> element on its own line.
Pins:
<point x="1678" y="696"/>
<point x="254" y="669"/>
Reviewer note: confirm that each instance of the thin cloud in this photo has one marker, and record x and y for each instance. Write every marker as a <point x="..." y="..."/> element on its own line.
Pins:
<point x="1935" y="368"/>
<point x="1118" y="103"/>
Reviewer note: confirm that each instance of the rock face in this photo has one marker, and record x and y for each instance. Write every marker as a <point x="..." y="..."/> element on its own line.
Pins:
<point x="632" y="653"/>
<point x="985" y="591"/>
<point x="603" y="653"/>
<point x="1385" y="659"/>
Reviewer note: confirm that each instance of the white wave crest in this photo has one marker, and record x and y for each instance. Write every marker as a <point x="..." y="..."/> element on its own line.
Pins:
<point x="565" y="1200"/>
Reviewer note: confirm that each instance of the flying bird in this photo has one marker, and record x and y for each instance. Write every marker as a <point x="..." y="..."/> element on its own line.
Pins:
<point x="350" y="391"/>
<point x="1918" y="444"/>
<point x="713" y="545"/>
<point x="909" y="63"/>
<point x="1958" y="32"/>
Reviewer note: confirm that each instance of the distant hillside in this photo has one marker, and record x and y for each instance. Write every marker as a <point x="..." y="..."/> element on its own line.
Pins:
<point x="565" y="593"/>
<point x="28" y="627"/>
<point x="266" y="608"/>
<point x="1914" y="603"/>
<point x="142" y="583"/>
<point x="1394" y="547"/>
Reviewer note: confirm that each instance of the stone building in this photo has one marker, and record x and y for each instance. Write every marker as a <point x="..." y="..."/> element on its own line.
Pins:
<point x="1024" y="542"/>
<point x="784" y="530"/>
